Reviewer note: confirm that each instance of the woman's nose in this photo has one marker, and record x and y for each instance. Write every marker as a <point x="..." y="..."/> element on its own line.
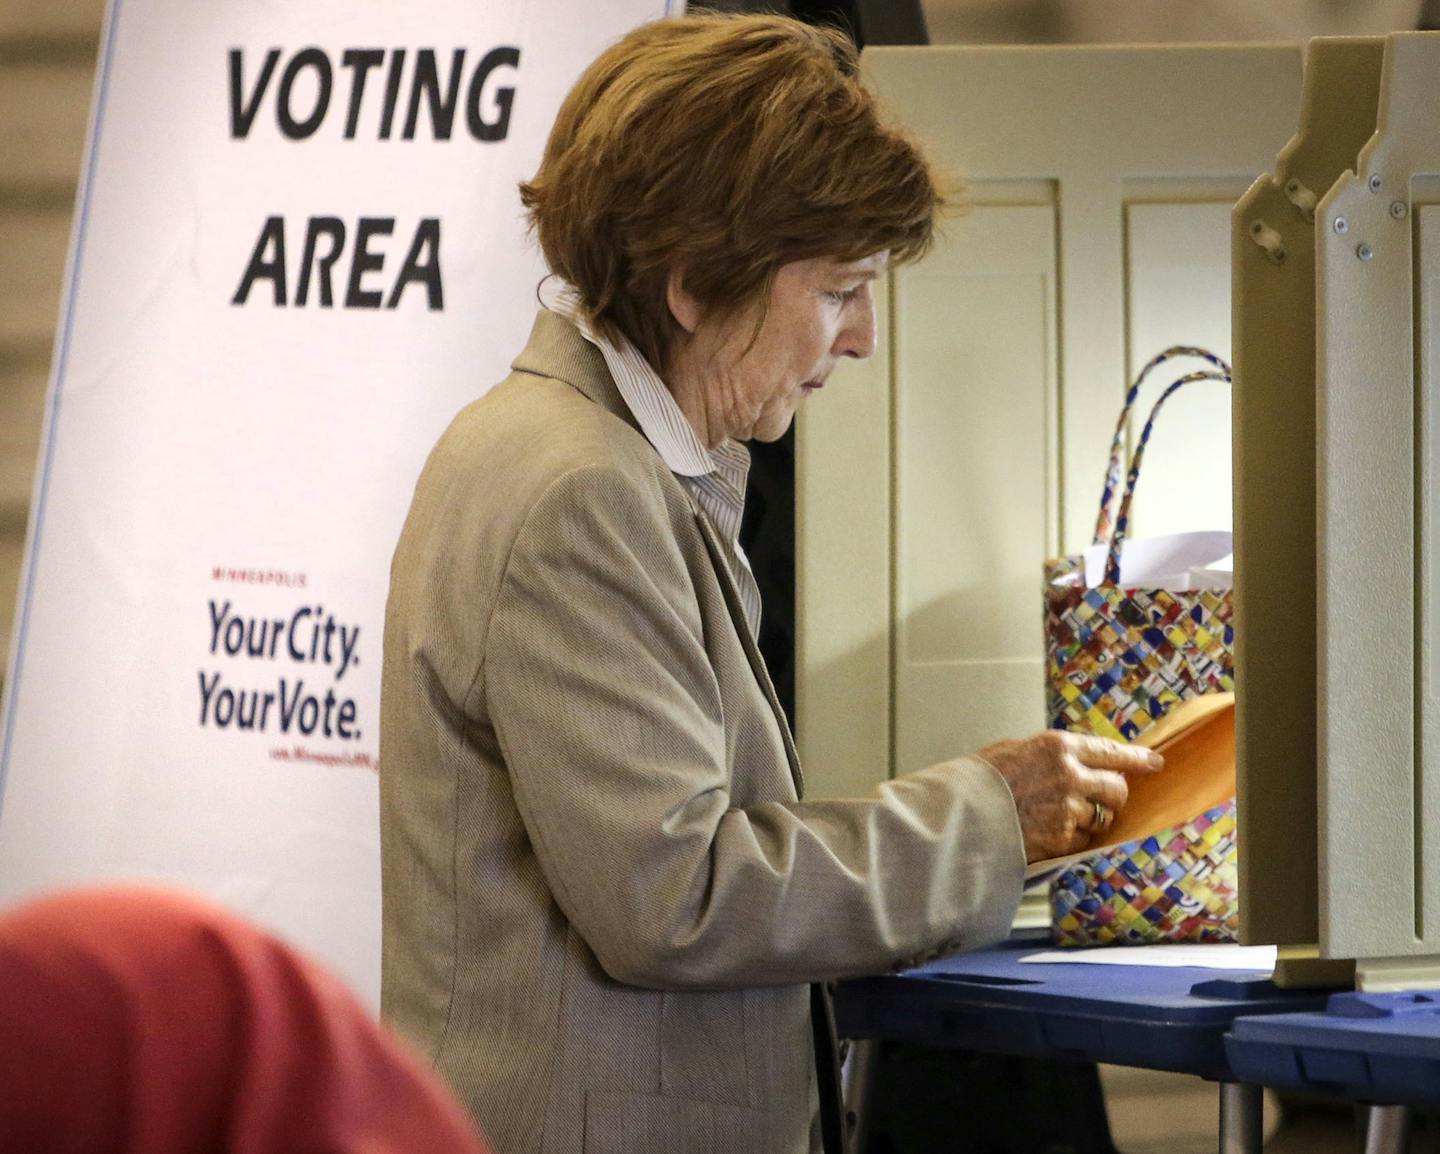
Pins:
<point x="857" y="338"/>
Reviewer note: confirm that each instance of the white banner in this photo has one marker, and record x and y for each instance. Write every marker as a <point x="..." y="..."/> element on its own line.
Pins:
<point x="298" y="251"/>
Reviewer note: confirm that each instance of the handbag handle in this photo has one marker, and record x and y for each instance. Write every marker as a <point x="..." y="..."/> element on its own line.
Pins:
<point x="1122" y="519"/>
<point x="1104" y="526"/>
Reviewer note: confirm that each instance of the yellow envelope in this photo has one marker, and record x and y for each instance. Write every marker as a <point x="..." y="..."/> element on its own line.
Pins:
<point x="1197" y="740"/>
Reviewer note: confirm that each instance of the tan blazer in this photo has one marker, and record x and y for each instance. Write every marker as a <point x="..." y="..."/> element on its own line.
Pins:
<point x="603" y="898"/>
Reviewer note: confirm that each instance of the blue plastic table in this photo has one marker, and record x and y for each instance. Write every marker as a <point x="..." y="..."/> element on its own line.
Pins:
<point x="1156" y="1017"/>
<point x="1378" y="1048"/>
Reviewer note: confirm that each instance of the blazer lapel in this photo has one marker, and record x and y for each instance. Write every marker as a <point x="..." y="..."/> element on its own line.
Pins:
<point x="557" y="349"/>
<point x="747" y="642"/>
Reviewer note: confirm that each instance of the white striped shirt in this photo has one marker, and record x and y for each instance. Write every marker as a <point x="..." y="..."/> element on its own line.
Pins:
<point x="714" y="477"/>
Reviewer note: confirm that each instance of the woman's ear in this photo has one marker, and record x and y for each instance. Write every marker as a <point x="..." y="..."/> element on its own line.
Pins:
<point x="682" y="303"/>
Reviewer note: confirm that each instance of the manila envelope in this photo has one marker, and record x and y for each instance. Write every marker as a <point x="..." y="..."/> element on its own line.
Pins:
<point x="1197" y="740"/>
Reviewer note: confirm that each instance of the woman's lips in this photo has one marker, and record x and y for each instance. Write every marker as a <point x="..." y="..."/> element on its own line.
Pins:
<point x="811" y="386"/>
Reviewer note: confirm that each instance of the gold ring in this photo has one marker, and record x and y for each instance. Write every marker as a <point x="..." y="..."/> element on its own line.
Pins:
<point x="1100" y="819"/>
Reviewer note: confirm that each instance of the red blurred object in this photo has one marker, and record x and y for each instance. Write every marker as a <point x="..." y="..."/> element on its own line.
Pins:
<point x="146" y="1022"/>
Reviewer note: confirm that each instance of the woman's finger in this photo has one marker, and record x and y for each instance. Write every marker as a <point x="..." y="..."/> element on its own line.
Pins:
<point x="1110" y="789"/>
<point x="1082" y="813"/>
<point x="1102" y="753"/>
<point x="1080" y="833"/>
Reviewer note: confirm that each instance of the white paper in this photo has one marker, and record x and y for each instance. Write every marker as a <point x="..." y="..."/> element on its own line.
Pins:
<point x="1218" y="956"/>
<point x="1174" y="561"/>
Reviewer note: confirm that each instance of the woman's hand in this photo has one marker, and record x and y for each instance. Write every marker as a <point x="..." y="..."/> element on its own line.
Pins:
<point x="1067" y="785"/>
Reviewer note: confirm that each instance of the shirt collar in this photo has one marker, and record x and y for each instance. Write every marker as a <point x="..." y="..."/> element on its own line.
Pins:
<point x="650" y="401"/>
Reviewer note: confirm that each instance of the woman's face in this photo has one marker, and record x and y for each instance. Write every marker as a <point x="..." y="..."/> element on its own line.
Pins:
<point x="820" y="310"/>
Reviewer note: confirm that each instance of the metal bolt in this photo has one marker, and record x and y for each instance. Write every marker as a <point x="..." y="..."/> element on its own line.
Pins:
<point x="1375" y="183"/>
<point x="1364" y="252"/>
<point x="1342" y="226"/>
<point x="1398" y="209"/>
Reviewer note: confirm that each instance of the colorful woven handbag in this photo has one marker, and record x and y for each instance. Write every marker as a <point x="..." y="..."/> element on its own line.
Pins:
<point x="1118" y="657"/>
<point x="1177" y="885"/>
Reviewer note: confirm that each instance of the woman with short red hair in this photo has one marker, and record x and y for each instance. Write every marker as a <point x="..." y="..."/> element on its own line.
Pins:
<point x="607" y="907"/>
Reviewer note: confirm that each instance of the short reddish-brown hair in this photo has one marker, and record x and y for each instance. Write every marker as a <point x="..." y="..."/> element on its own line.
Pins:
<point x="725" y="146"/>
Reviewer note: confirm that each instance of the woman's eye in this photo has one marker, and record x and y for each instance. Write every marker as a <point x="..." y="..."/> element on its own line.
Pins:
<point x="841" y="296"/>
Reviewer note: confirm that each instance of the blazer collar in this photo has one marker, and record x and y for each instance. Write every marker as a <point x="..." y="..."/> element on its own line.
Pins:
<point x="557" y="349"/>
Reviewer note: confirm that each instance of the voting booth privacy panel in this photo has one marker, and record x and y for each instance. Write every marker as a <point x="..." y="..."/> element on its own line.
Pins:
<point x="1338" y="375"/>
<point x="298" y="251"/>
<point x="935" y="479"/>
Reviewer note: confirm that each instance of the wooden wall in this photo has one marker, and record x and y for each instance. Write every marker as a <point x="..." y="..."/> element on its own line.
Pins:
<point x="47" y="62"/>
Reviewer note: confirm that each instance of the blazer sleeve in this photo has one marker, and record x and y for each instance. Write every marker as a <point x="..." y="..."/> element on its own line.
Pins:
<point x="610" y="719"/>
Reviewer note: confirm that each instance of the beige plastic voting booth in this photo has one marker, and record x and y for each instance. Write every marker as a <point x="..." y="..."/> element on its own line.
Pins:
<point x="935" y="478"/>
<point x="1337" y="432"/>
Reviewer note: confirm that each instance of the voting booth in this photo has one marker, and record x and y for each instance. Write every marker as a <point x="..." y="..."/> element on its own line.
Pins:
<point x="1292" y="228"/>
<point x="1107" y="206"/>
